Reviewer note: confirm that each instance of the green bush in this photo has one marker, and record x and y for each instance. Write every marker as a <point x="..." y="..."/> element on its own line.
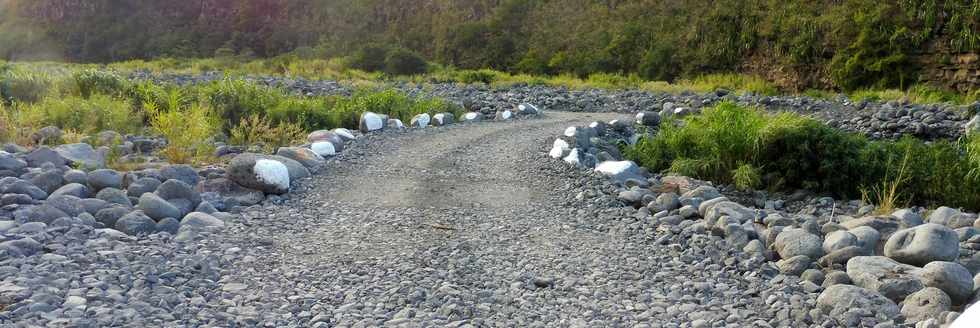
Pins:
<point x="370" y="58"/>
<point x="24" y="86"/>
<point x="91" y="81"/>
<point x="310" y="113"/>
<point x="405" y="62"/>
<point x="485" y="76"/>
<point x="97" y="113"/>
<point x="749" y="148"/>
<point x="234" y="99"/>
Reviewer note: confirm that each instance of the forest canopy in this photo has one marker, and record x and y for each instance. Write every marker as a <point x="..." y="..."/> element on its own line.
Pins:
<point x="847" y="44"/>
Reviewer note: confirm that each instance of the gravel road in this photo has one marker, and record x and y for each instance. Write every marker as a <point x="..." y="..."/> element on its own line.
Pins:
<point x="472" y="226"/>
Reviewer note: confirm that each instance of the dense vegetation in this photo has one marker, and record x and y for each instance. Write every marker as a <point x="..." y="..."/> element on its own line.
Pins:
<point x="85" y="102"/>
<point x="846" y="44"/>
<point x="752" y="149"/>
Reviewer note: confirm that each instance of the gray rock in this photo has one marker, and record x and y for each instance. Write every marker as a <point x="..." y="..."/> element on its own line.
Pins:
<point x="143" y="185"/>
<point x="20" y="199"/>
<point x="76" y="176"/>
<point x="202" y="220"/>
<point x="47" y="134"/>
<point x="927" y="303"/>
<point x="72" y="189"/>
<point x="836" y="278"/>
<point x="372" y="122"/>
<point x="703" y="192"/>
<point x="105" y="178"/>
<point x="232" y="191"/>
<point x="794" y="242"/>
<point x="795" y="265"/>
<point x="108" y="216"/>
<point x="304" y="156"/>
<point x="867" y="237"/>
<point x="71" y="205"/>
<point x="168" y="225"/>
<point x="205" y="207"/>
<point x="884" y="275"/>
<point x="49" y="180"/>
<point x="43" y="155"/>
<point x="837" y="300"/>
<point x="649" y="119"/>
<point x="93" y="205"/>
<point x="81" y="154"/>
<point x="24" y="188"/>
<point x="136" y="224"/>
<point x="115" y="196"/>
<point x="22" y="247"/>
<point x="182" y="172"/>
<point x="41" y="213"/>
<point x="923" y="244"/>
<point x="733" y="210"/>
<point x="10" y="163"/>
<point x="668" y="201"/>
<point x="157" y="208"/>
<point x="838" y="240"/>
<point x="177" y="189"/>
<point x="952" y="278"/>
<point x="813" y="275"/>
<point x="908" y="218"/>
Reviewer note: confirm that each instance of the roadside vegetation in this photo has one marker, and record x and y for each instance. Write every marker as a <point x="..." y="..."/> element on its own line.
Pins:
<point x="85" y="101"/>
<point x="752" y="149"/>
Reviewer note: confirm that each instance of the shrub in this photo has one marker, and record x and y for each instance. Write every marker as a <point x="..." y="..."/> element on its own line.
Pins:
<point x="97" y="113"/>
<point x="310" y="113"/>
<point x="256" y="130"/>
<point x="370" y="58"/>
<point x="91" y="81"/>
<point x="234" y="99"/>
<point x="189" y="132"/>
<point x="24" y="86"/>
<point x="484" y="76"/>
<point x="748" y="148"/>
<point x="404" y="62"/>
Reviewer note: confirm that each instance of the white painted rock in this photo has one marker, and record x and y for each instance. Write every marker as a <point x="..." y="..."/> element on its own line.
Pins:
<point x="471" y="117"/>
<point x="527" y="109"/>
<point x="345" y="134"/>
<point x="570" y="131"/>
<point x="371" y="122"/>
<point x="272" y="173"/>
<point x="442" y="119"/>
<point x="420" y="120"/>
<point x="969" y="319"/>
<point x="573" y="158"/>
<point x="396" y="123"/>
<point x="504" y="115"/>
<point x="323" y="148"/>
<point x="620" y="170"/>
<point x="559" y="149"/>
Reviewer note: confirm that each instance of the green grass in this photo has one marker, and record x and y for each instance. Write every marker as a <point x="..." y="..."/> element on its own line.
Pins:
<point x="751" y="149"/>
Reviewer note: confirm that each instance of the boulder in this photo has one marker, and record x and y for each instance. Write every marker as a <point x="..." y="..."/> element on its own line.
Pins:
<point x="175" y="189"/>
<point x="736" y="211"/>
<point x="443" y="119"/>
<point x="842" y="256"/>
<point x="10" y="163"/>
<point x="22" y="247"/>
<point x="109" y="215"/>
<point x="951" y="277"/>
<point x="181" y="172"/>
<point x="907" y="217"/>
<point x="619" y="171"/>
<point x="201" y="220"/>
<point x="837" y="300"/>
<point x="306" y="157"/>
<point x="75" y="176"/>
<point x="327" y="136"/>
<point x="43" y="155"/>
<point x="49" y="180"/>
<point x="345" y="134"/>
<point x="141" y="186"/>
<point x="253" y="171"/>
<point x="136" y="224"/>
<point x="156" y="207"/>
<point x="370" y="122"/>
<point x="168" y="225"/>
<point x="794" y="265"/>
<point x="420" y="120"/>
<point x="231" y="191"/>
<point x="528" y="109"/>
<point x="72" y="189"/>
<point x="395" y="123"/>
<point x="472" y="117"/>
<point x="838" y="240"/>
<point x="795" y="242"/>
<point x="82" y="155"/>
<point x="649" y="119"/>
<point x="323" y="149"/>
<point x="868" y="238"/>
<point x="885" y="276"/>
<point x="104" y="178"/>
<point x="927" y="303"/>
<point x="503" y="115"/>
<point x="923" y="244"/>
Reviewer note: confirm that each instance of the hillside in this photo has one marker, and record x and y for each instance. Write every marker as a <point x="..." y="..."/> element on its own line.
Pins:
<point x="846" y="44"/>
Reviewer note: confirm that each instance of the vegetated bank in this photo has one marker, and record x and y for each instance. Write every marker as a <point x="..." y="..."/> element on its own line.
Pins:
<point x="784" y="151"/>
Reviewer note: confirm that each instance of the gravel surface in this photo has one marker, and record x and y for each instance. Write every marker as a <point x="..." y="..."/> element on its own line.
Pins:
<point x="472" y="226"/>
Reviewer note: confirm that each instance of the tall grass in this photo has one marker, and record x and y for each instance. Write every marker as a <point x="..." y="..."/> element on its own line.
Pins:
<point x="24" y="86"/>
<point x="189" y="132"/>
<point x="751" y="148"/>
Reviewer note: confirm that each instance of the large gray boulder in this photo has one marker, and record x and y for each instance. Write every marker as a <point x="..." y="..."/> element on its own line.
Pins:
<point x="82" y="155"/>
<point x="49" y="180"/>
<point x="649" y="119"/>
<point x="157" y="208"/>
<point x="928" y="303"/>
<point x="327" y="136"/>
<point x="885" y="276"/>
<point x="181" y="172"/>
<point x="795" y="242"/>
<point x="255" y="172"/>
<point x="141" y="186"/>
<point x="24" y="188"/>
<point x="10" y="163"/>
<point x="175" y="189"/>
<point x="136" y="224"/>
<point x="43" y="155"/>
<point x="110" y="215"/>
<point x="733" y="210"/>
<point x="952" y="278"/>
<point x="202" y="221"/>
<point x="104" y="178"/>
<point x="838" y="240"/>
<point x="923" y="244"/>
<point x="837" y="300"/>
<point x="73" y="189"/>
